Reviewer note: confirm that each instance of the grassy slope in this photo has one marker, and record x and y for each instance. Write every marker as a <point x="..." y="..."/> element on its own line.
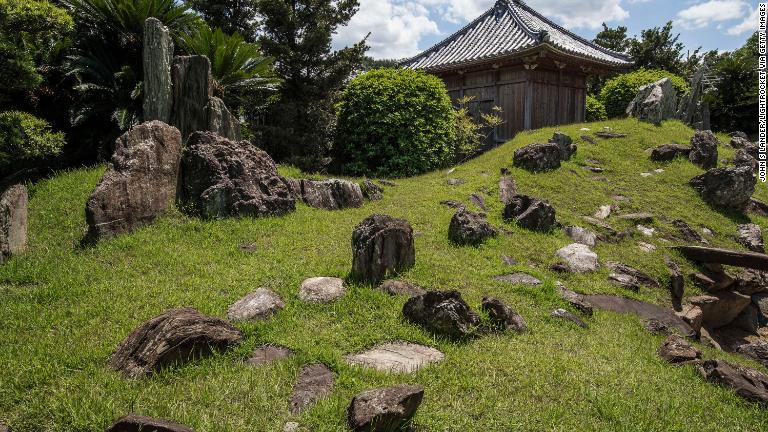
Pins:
<point x="63" y="310"/>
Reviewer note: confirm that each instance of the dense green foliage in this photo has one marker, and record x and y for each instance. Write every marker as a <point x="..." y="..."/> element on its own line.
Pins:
<point x="26" y="140"/>
<point x="231" y="16"/>
<point x="394" y="122"/>
<point x="595" y="110"/>
<point x="613" y="39"/>
<point x="733" y="103"/>
<point x="298" y="36"/>
<point x="618" y="92"/>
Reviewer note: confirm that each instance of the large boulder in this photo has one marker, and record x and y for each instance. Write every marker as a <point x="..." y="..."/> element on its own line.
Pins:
<point x="137" y="423"/>
<point x="538" y="157"/>
<point x="223" y="178"/>
<point x="14" y="203"/>
<point x="387" y="409"/>
<point x="331" y="194"/>
<point x="530" y="213"/>
<point x="469" y="228"/>
<point x="579" y="258"/>
<point x="704" y="149"/>
<point x="157" y="55"/>
<point x="668" y="152"/>
<point x="751" y="236"/>
<point x="726" y="187"/>
<point x="746" y="382"/>
<point x="442" y="312"/>
<point x="382" y="246"/>
<point x="140" y="181"/>
<point x="177" y="335"/>
<point x="720" y="308"/>
<point x="565" y="143"/>
<point x="654" y="102"/>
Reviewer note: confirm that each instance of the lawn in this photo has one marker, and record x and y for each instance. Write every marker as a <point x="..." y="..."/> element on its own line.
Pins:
<point x="64" y="309"/>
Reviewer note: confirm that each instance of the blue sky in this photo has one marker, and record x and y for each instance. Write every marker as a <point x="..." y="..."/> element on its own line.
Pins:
<point x="403" y="28"/>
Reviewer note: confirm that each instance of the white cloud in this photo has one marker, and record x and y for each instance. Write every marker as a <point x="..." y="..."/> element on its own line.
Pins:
<point x="710" y="12"/>
<point x="749" y="24"/>
<point x="581" y="13"/>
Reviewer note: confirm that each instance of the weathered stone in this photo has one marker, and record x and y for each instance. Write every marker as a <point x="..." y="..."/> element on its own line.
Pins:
<point x="331" y="194"/>
<point x="266" y="354"/>
<point x="291" y="427"/>
<point x="396" y="357"/>
<point x="382" y="246"/>
<point x="322" y="289"/>
<point x="452" y="204"/>
<point x="638" y="276"/>
<point x="751" y="236"/>
<point x="589" y="139"/>
<point x="371" y="190"/>
<point x="646" y="231"/>
<point x="668" y="152"/>
<point x="746" y="382"/>
<point x="581" y="235"/>
<point x="693" y="316"/>
<point x="717" y="278"/>
<point x="397" y="287"/>
<point x="757" y="351"/>
<point x="687" y="232"/>
<point x="191" y="91"/>
<point x="642" y="309"/>
<point x="315" y="382"/>
<point x="507" y="190"/>
<point x="139" y="184"/>
<point x="646" y="247"/>
<point x="223" y="178"/>
<point x="565" y="143"/>
<point x="676" y="284"/>
<point x="761" y="301"/>
<point x="579" y="258"/>
<point x="726" y="187"/>
<point x="508" y="260"/>
<point x="518" y="278"/>
<point x="564" y="314"/>
<point x="442" y="312"/>
<point x="14" y="214"/>
<point x="157" y="56"/>
<point x="479" y="201"/>
<point x="693" y="109"/>
<point x="574" y="299"/>
<point x="654" y="102"/>
<point x="177" y="335"/>
<point x="750" y="282"/>
<point x="676" y="350"/>
<point x="502" y="316"/>
<point x="610" y="135"/>
<point x="656" y="327"/>
<point x="469" y="228"/>
<point x="530" y="213"/>
<point x="739" y="140"/>
<point x="625" y="281"/>
<point x="603" y="212"/>
<point x="743" y="158"/>
<point x="748" y="320"/>
<point x="455" y="181"/>
<point x="258" y="305"/>
<point x="220" y="120"/>
<point x="638" y="217"/>
<point x="136" y="423"/>
<point x="600" y="224"/>
<point x="755" y="206"/>
<point x="720" y="308"/>
<point x="387" y="409"/>
<point x="538" y="157"/>
<point x="704" y="149"/>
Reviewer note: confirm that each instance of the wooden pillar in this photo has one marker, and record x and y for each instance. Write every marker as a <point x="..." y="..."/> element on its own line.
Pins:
<point x="461" y="84"/>
<point x="559" y="119"/>
<point x="529" y="65"/>
<point x="496" y="79"/>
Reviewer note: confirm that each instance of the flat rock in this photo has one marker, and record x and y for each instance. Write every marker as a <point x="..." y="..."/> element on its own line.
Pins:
<point x="538" y="157"/>
<point x="388" y="409"/>
<point x="581" y="235"/>
<point x="530" y="213"/>
<point x="452" y="204"/>
<point x="322" y="289"/>
<point x="757" y="351"/>
<point x="137" y="423"/>
<point x="518" y="278"/>
<point x="14" y="211"/>
<point x="625" y="281"/>
<point x="574" y="299"/>
<point x="646" y="247"/>
<point x="479" y="201"/>
<point x="603" y="212"/>
<point x="635" y="273"/>
<point x="396" y="357"/>
<point x="469" y="228"/>
<point x="502" y="316"/>
<point x="397" y="287"/>
<point x="676" y="350"/>
<point x="258" y="305"/>
<point x="637" y="217"/>
<point x="266" y="354"/>
<point x="745" y="382"/>
<point x="720" y="308"/>
<point x="751" y="236"/>
<point x="610" y="135"/>
<point x="177" y="335"/>
<point x="642" y="309"/>
<point x="442" y="312"/>
<point x="579" y="258"/>
<point x="687" y="232"/>
<point x="315" y="382"/>
<point x="455" y="181"/>
<point x="646" y="231"/>
<point x="564" y="314"/>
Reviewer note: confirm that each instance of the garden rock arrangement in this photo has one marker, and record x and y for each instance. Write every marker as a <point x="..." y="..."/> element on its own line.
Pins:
<point x="321" y="289"/>
<point x="157" y="57"/>
<point x="726" y="187"/>
<point x="668" y="152"/>
<point x="315" y="382"/>
<point x="538" y="157"/>
<point x="384" y="409"/>
<point x="331" y="194"/>
<point x="396" y="357"/>
<point x="137" y="423"/>
<point x="469" y="228"/>
<point x="654" y="102"/>
<point x="530" y="213"/>
<point x="139" y="184"/>
<point x="704" y="149"/>
<point x="258" y="305"/>
<point x="175" y="336"/>
<point x="444" y="313"/>
<point x="565" y="143"/>
<point x="382" y="246"/>
<point x="14" y="211"/>
<point x="222" y="178"/>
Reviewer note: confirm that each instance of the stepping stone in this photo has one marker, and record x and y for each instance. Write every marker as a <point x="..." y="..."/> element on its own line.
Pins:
<point x="384" y="409"/>
<point x="518" y="278"/>
<point x="258" y="305"/>
<point x="642" y="309"/>
<point x="579" y="258"/>
<point x="133" y="422"/>
<point x="603" y="212"/>
<point x="396" y="287"/>
<point x="502" y="317"/>
<point x="322" y="289"/>
<point x="248" y="247"/>
<point x="624" y="280"/>
<point x="677" y="351"/>
<point x="564" y="314"/>
<point x="266" y="354"/>
<point x="455" y="182"/>
<point x="581" y="235"/>
<point x="314" y="383"/>
<point x="396" y="357"/>
<point x="645" y="174"/>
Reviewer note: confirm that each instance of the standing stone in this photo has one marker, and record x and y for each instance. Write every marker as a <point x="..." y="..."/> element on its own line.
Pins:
<point x="469" y="228"/>
<point x="530" y="213"/>
<point x="137" y="423"/>
<point x="567" y="147"/>
<point x="538" y="157"/>
<point x="704" y="149"/>
<point x="191" y="90"/>
<point x="139" y="184"/>
<point x="654" y="102"/>
<point x="382" y="246"/>
<point x="157" y="56"/>
<point x="220" y="120"/>
<point x="726" y="187"/>
<point x="314" y="383"/>
<point x="507" y="190"/>
<point x="751" y="236"/>
<point x="258" y="305"/>
<point x="442" y="312"/>
<point x="384" y="409"/>
<point x="502" y="316"/>
<point x="579" y="258"/>
<point x="222" y="178"/>
<point x="13" y="221"/>
<point x="676" y="284"/>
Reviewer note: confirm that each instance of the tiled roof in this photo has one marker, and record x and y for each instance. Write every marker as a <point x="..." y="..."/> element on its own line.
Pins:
<point x="510" y="26"/>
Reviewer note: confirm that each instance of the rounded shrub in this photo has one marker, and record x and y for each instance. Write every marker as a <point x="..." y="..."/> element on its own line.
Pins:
<point x="595" y="110"/>
<point x="26" y="139"/>
<point x="394" y="123"/>
<point x="619" y="91"/>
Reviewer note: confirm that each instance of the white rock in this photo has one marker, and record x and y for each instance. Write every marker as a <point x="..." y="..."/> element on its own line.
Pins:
<point x="257" y="305"/>
<point x="581" y="235"/>
<point x="645" y="174"/>
<point x="291" y="427"/>
<point x="396" y="357"/>
<point x="321" y="289"/>
<point x="659" y="170"/>
<point x="579" y="258"/>
<point x="604" y="211"/>
<point x="648" y="232"/>
<point x="646" y="247"/>
<point x="585" y="129"/>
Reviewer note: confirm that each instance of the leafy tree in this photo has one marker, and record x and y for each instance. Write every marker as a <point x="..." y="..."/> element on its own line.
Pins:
<point x="231" y="16"/>
<point x="27" y="141"/>
<point x="734" y="103"/>
<point x="370" y="63"/>
<point x="613" y="39"/>
<point x="658" y="48"/>
<point x="297" y="34"/>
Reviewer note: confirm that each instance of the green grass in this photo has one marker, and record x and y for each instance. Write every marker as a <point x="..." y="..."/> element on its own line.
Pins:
<point x="64" y="309"/>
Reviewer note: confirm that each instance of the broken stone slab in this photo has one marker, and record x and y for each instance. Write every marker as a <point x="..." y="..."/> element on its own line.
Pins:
<point x="382" y="246"/>
<point x="751" y="236"/>
<point x="677" y="351"/>
<point x="538" y="157"/>
<point x="579" y="258"/>
<point x="702" y="254"/>
<point x="507" y="190"/>
<point x="646" y="247"/>
<point x="518" y="278"/>
<point x="315" y="382"/>
<point x="322" y="289"/>
<point x="745" y="382"/>
<point x="502" y="316"/>
<point x="14" y="215"/>
<point x="693" y="315"/>
<point x="564" y="314"/>
<point x="704" y="149"/>
<point x="157" y="56"/>
<point x="258" y="305"/>
<point x="750" y="282"/>
<point x="398" y="287"/>
<point x="137" y="423"/>
<point x="444" y="313"/>
<point x="625" y="281"/>
<point x="720" y="308"/>
<point x="654" y="102"/>
<point x="530" y="213"/>
<point x="574" y="299"/>
<point x="643" y="310"/>
<point x="726" y="187"/>
<point x="687" y="232"/>
<point x="266" y="354"/>
<point x="396" y="357"/>
<point x="469" y="228"/>
<point x="581" y="235"/>
<point x="635" y="273"/>
<point x="177" y="335"/>
<point x="386" y="409"/>
<point x="371" y="190"/>
<point x="668" y="152"/>
<point x="331" y="194"/>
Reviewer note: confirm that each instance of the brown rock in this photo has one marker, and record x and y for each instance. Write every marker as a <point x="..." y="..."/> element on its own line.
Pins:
<point x="720" y="308"/>
<point x="676" y="350"/>
<point x="442" y="312"/>
<point x="314" y="383"/>
<point x="137" y="423"/>
<point x="382" y="246"/>
<point x="13" y="221"/>
<point x="331" y="194"/>
<point x="746" y="382"/>
<point x="564" y="314"/>
<point x="757" y="351"/>
<point x="387" y="409"/>
<point x="574" y="299"/>
<point x="676" y="284"/>
<point x="397" y="287"/>
<point x="693" y="316"/>
<point x="502" y="316"/>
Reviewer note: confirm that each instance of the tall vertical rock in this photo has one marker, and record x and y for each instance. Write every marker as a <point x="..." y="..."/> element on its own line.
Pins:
<point x="13" y="221"/>
<point x="157" y="56"/>
<point x="221" y="121"/>
<point x="654" y="102"/>
<point x="191" y="91"/>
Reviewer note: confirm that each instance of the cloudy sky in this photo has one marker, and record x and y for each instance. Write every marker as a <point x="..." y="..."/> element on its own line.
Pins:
<point x="403" y="28"/>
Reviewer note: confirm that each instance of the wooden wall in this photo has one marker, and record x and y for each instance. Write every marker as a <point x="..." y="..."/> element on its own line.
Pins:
<point x="552" y="96"/>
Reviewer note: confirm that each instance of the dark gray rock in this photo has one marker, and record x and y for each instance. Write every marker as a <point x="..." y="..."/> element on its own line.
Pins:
<point x="642" y="309"/>
<point x="610" y="135"/>
<point x="442" y="312"/>
<point x="687" y="232"/>
<point x="636" y="274"/>
<point x="469" y="228"/>
<point x="507" y="190"/>
<point x="726" y="187"/>
<point x="564" y="314"/>
<point x="530" y="213"/>
<point x="739" y="141"/>
<point x="371" y="190"/>
<point x="387" y="409"/>
<point x="479" y="201"/>
<point x="220" y="120"/>
<point x="157" y="56"/>
<point x="397" y="287"/>
<point x="757" y="351"/>
<point x="538" y="157"/>
<point x="757" y="207"/>
<point x="14" y="214"/>
<point x="750" y="282"/>
<point x="751" y="236"/>
<point x="761" y="301"/>
<point x="331" y="194"/>
<point x="382" y="246"/>
<point x="137" y="423"/>
<point x="676" y="350"/>
<point x="502" y="316"/>
<point x="565" y="143"/>
<point x="745" y="382"/>
<point x="668" y="152"/>
<point x="315" y="382"/>
<point x="676" y="284"/>
<point x="743" y="158"/>
<point x="575" y="299"/>
<point x="222" y="178"/>
<point x="704" y="149"/>
<point x="748" y="320"/>
<point x="452" y="204"/>
<point x="266" y="354"/>
<point x="654" y="102"/>
<point x="191" y="90"/>
<point x="139" y="184"/>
